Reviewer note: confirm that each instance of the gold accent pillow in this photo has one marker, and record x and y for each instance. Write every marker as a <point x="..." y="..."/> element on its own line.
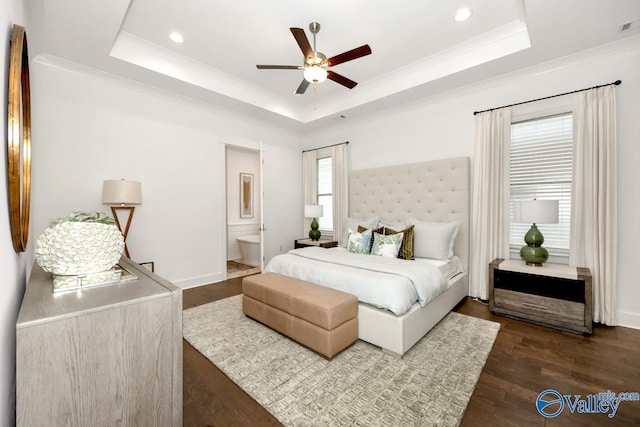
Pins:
<point x="406" y="249"/>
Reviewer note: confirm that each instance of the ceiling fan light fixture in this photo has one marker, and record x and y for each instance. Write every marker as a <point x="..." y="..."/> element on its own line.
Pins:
<point x="315" y="74"/>
<point x="316" y="63"/>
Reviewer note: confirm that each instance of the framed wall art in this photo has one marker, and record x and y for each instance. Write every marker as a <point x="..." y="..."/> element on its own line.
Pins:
<point x="246" y="195"/>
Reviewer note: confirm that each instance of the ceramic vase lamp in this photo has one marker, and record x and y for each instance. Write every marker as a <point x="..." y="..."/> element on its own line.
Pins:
<point x="80" y="250"/>
<point x="536" y="212"/>
<point x="315" y="212"/>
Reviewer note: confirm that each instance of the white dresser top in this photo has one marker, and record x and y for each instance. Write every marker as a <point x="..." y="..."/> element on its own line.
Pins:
<point x="547" y="269"/>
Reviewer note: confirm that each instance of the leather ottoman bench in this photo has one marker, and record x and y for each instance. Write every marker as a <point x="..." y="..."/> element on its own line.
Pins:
<point x="320" y="318"/>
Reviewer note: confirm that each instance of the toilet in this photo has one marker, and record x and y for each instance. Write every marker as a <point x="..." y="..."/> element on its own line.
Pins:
<point x="250" y="249"/>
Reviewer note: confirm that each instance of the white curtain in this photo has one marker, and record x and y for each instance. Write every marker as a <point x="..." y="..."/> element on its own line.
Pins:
<point x="309" y="184"/>
<point x="340" y="189"/>
<point x="490" y="199"/>
<point x="594" y="224"/>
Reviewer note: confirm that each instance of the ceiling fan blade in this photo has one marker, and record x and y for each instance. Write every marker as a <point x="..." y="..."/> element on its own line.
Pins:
<point x="303" y="42"/>
<point x="279" y="67"/>
<point x="338" y="78"/>
<point x="349" y="55"/>
<point x="302" y="88"/>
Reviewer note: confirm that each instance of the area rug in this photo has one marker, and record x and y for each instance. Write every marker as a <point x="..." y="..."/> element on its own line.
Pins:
<point x="363" y="386"/>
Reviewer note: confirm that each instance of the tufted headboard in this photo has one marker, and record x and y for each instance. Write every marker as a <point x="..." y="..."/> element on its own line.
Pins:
<point x="435" y="191"/>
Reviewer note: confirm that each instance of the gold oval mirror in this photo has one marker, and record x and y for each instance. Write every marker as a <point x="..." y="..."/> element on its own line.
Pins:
<point x="19" y="139"/>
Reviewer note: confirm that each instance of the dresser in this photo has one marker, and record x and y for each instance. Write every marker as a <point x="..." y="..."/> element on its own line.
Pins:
<point x="552" y="295"/>
<point x="103" y="356"/>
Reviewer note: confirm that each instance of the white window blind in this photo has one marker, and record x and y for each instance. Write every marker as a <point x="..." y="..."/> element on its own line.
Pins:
<point x="325" y="194"/>
<point x="541" y="168"/>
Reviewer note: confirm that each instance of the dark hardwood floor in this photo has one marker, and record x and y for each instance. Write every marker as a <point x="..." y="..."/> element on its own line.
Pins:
<point x="525" y="360"/>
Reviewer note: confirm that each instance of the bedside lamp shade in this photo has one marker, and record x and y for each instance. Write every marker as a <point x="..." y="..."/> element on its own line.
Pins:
<point x="540" y="212"/>
<point x="121" y="192"/>
<point x="536" y="211"/>
<point x="315" y="212"/>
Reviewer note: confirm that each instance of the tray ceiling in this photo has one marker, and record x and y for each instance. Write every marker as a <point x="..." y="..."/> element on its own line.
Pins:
<point x="418" y="48"/>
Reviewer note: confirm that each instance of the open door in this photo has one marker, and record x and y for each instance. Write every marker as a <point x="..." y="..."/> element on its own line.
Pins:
<point x="243" y="205"/>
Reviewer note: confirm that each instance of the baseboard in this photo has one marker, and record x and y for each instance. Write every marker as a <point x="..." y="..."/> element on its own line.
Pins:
<point x="629" y="320"/>
<point x="201" y="280"/>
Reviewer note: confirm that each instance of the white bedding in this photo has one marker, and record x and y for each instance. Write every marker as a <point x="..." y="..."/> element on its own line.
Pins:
<point x="449" y="268"/>
<point x="389" y="283"/>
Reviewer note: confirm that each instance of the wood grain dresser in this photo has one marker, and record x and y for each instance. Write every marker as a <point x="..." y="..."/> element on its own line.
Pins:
<point x="102" y="356"/>
<point x="553" y="295"/>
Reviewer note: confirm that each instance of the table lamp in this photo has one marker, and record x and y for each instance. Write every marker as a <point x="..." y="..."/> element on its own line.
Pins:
<point x="122" y="194"/>
<point x="315" y="212"/>
<point x="536" y="212"/>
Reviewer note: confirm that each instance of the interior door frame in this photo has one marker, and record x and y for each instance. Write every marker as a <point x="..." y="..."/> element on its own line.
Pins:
<point x="258" y="148"/>
<point x="261" y="189"/>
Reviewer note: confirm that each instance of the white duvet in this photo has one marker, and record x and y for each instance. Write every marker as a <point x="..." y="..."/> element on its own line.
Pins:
<point x="389" y="283"/>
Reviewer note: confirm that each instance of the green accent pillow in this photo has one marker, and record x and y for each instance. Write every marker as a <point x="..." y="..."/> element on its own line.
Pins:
<point x="362" y="229"/>
<point x="352" y="224"/>
<point x="406" y="250"/>
<point x="387" y="246"/>
<point x="359" y="243"/>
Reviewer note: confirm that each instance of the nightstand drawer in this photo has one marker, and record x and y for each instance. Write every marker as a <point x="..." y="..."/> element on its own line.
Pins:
<point x="535" y="307"/>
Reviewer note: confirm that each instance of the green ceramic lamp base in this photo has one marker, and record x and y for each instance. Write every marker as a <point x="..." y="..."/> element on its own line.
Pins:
<point x="314" y="233"/>
<point x="534" y="254"/>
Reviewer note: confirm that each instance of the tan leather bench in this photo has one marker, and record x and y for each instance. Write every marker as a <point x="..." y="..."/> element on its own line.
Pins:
<point x="321" y="318"/>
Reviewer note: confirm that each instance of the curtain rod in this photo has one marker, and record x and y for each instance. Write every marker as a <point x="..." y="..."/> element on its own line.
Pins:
<point x="617" y="82"/>
<point x="326" y="146"/>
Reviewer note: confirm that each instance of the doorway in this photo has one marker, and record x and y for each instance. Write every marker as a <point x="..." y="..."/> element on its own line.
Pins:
<point x="244" y="211"/>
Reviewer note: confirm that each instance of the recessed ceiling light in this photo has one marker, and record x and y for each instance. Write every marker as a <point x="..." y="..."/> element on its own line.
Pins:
<point x="463" y="14"/>
<point x="176" y="37"/>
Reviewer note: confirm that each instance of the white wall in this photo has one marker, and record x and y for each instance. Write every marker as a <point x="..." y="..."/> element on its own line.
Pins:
<point x="241" y="161"/>
<point x="13" y="271"/>
<point x="88" y="128"/>
<point x="443" y="126"/>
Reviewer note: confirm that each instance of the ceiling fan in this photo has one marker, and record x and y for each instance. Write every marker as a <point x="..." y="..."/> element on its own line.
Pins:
<point x="316" y="63"/>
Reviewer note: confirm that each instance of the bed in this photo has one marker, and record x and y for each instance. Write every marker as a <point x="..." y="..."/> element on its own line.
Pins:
<point x="434" y="191"/>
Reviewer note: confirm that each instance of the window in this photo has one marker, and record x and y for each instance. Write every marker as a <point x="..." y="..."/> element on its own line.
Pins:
<point x="541" y="168"/>
<point x="325" y="194"/>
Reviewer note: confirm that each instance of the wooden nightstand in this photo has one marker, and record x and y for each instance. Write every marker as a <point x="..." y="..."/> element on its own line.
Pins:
<point x="553" y="295"/>
<point x="303" y="243"/>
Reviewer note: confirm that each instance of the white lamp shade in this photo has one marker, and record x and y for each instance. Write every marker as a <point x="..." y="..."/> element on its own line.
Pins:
<point x="536" y="211"/>
<point x="313" y="211"/>
<point x="315" y="74"/>
<point x="121" y="192"/>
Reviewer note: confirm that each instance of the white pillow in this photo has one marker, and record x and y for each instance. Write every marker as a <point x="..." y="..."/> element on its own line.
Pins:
<point x="352" y="224"/>
<point x="392" y="225"/>
<point x="386" y="245"/>
<point x="434" y="240"/>
<point x="359" y="243"/>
